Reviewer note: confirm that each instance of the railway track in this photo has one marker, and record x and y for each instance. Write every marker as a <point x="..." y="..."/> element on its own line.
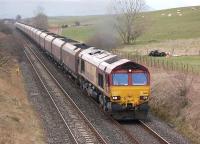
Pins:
<point x="143" y="132"/>
<point x="154" y="133"/>
<point x="100" y="139"/>
<point x="79" y="127"/>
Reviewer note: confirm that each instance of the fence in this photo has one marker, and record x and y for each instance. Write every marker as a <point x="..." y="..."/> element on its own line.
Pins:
<point x="165" y="64"/>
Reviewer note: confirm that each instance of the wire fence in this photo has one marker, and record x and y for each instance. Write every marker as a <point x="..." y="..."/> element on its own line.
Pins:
<point x="165" y="64"/>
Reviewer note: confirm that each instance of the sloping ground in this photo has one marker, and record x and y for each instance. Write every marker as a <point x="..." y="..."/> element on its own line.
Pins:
<point x="18" y="122"/>
<point x="2" y="35"/>
<point x="176" y="99"/>
<point x="170" y="24"/>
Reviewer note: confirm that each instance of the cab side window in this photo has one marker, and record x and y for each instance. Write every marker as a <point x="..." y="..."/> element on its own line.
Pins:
<point x="100" y="80"/>
<point x="82" y="66"/>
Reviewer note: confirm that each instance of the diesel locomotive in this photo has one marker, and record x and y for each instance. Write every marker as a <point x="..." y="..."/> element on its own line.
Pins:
<point x="121" y="86"/>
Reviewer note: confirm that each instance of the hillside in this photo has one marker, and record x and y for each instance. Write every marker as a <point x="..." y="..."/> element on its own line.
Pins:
<point x="178" y="23"/>
<point x="170" y="24"/>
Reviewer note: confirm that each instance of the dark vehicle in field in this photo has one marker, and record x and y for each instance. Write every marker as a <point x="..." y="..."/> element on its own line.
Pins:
<point x="156" y="53"/>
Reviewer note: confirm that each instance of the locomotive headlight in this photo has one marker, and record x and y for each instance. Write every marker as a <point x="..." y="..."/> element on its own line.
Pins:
<point x="144" y="97"/>
<point x="116" y="97"/>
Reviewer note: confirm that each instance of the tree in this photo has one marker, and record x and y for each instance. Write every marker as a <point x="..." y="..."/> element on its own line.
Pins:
<point x="126" y="14"/>
<point x="18" y="17"/>
<point x="40" y="20"/>
<point x="77" y="23"/>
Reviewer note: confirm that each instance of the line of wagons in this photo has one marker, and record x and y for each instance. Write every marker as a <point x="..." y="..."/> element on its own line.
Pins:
<point x="121" y="86"/>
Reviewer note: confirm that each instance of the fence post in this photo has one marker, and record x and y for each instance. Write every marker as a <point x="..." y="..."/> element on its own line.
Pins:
<point x="167" y="65"/>
<point x="172" y="65"/>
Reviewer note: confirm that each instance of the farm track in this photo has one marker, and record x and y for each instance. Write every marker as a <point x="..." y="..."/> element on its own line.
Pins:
<point x="80" y="128"/>
<point x="130" y="136"/>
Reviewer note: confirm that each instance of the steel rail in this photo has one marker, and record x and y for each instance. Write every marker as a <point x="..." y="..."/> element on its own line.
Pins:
<point x="59" y="112"/>
<point x="154" y="133"/>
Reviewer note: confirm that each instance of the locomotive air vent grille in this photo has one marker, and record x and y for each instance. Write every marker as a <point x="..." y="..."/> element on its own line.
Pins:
<point x="82" y="46"/>
<point x="113" y="59"/>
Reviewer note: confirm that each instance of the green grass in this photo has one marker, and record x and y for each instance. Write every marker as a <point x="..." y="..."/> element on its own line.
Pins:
<point x="182" y="63"/>
<point x="174" y="27"/>
<point x="79" y="33"/>
<point x="94" y="20"/>
<point x="191" y="60"/>
<point x="159" y="27"/>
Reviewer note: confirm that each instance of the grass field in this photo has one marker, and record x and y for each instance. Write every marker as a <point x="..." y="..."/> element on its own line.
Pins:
<point x="71" y="19"/>
<point x="79" y="33"/>
<point x="191" y="60"/>
<point x="191" y="63"/>
<point x="160" y="27"/>
<point x="164" y="27"/>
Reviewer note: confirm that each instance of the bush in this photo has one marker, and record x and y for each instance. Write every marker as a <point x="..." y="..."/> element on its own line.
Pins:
<point x="4" y="28"/>
<point x="77" y="23"/>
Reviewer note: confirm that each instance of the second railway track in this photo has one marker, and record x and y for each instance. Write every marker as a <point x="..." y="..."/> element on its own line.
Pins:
<point x="80" y="128"/>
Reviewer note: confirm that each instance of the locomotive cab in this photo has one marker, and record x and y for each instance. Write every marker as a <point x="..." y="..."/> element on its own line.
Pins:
<point x="129" y="88"/>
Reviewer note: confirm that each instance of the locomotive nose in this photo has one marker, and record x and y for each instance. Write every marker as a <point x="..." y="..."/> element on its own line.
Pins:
<point x="130" y="95"/>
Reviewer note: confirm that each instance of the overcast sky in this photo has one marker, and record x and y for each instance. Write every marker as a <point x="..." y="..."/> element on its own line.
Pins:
<point x="26" y="8"/>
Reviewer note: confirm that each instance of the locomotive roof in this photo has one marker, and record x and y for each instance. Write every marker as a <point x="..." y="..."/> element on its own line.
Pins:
<point x="102" y="59"/>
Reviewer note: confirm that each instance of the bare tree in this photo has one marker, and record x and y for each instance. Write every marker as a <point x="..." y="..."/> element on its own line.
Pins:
<point x="18" y="17"/>
<point x="40" y="20"/>
<point x="126" y="14"/>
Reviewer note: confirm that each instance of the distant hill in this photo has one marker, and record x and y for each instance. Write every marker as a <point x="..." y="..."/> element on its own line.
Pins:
<point x="170" y="24"/>
<point x="177" y="23"/>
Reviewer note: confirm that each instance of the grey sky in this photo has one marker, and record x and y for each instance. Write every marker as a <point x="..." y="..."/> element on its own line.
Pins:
<point x="10" y="8"/>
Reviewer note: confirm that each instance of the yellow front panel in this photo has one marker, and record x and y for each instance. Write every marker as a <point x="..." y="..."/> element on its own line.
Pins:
<point x="129" y="94"/>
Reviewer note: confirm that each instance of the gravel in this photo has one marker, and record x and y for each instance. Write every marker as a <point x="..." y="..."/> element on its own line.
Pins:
<point x="142" y="135"/>
<point x="167" y="132"/>
<point x="54" y="128"/>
